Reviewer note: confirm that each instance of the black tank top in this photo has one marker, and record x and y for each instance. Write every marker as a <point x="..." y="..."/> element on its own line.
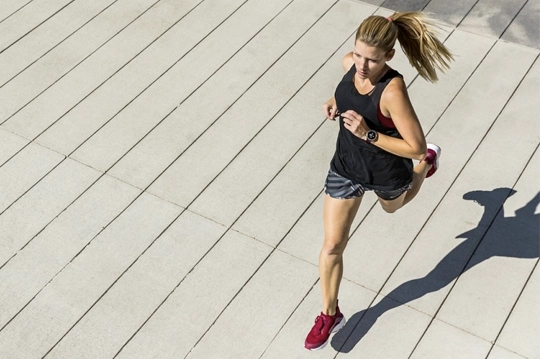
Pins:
<point x="357" y="160"/>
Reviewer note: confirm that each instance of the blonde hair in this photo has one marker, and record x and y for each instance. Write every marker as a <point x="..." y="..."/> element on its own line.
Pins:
<point x="416" y="35"/>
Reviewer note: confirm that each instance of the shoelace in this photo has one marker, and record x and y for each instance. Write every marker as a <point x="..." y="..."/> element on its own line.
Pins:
<point x="319" y="321"/>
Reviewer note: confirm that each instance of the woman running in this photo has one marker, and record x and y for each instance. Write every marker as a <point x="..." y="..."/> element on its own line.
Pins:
<point x="379" y="136"/>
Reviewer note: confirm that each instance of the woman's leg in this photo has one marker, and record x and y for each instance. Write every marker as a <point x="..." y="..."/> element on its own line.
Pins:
<point x="419" y="175"/>
<point x="424" y="169"/>
<point x="338" y="217"/>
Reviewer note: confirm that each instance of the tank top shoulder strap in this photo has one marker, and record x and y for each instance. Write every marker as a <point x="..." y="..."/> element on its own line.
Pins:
<point x="381" y="85"/>
<point x="350" y="74"/>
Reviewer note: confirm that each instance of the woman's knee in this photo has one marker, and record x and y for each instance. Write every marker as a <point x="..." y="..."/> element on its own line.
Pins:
<point x="389" y="207"/>
<point x="334" y="246"/>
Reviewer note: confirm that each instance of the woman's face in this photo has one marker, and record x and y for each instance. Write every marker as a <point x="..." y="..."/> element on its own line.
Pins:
<point x="370" y="60"/>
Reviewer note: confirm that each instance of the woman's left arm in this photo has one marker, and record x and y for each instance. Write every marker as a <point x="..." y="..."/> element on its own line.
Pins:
<point x="396" y="102"/>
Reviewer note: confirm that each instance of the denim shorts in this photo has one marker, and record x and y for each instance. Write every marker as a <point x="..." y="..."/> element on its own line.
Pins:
<point x="339" y="187"/>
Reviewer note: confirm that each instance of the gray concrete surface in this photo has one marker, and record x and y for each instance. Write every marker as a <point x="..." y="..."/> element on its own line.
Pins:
<point x="161" y="173"/>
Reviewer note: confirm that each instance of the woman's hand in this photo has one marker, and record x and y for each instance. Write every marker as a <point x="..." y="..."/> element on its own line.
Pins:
<point x="330" y="109"/>
<point x="355" y="123"/>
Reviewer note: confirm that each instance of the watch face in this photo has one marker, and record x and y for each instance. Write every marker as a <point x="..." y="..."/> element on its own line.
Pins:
<point x="371" y="135"/>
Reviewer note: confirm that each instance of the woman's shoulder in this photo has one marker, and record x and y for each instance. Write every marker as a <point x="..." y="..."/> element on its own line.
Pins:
<point x="347" y="62"/>
<point x="395" y="85"/>
<point x="395" y="92"/>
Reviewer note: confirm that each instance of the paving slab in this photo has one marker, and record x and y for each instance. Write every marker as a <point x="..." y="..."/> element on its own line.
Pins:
<point x="372" y="2"/>
<point x="47" y="36"/>
<point x="23" y="171"/>
<point x="277" y="208"/>
<point x="524" y="28"/>
<point x="289" y="342"/>
<point x="431" y="100"/>
<point x="400" y="5"/>
<point x="429" y="276"/>
<point x="298" y="120"/>
<point x="451" y="13"/>
<point x="41" y="204"/>
<point x="265" y="303"/>
<point x="444" y="341"/>
<point x="10" y="144"/>
<point x="178" y="324"/>
<point x="392" y="335"/>
<point x="73" y="291"/>
<point x="59" y="243"/>
<point x="155" y="67"/>
<point x="119" y="135"/>
<point x="27" y="18"/>
<point x="485" y="294"/>
<point x="523" y="326"/>
<point x="227" y="137"/>
<point x="166" y="142"/>
<point x="66" y="75"/>
<point x="8" y="8"/>
<point x="491" y="17"/>
<point x="127" y="305"/>
<point x="501" y="353"/>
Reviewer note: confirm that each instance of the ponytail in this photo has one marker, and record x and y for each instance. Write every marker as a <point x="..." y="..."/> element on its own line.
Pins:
<point x="416" y="35"/>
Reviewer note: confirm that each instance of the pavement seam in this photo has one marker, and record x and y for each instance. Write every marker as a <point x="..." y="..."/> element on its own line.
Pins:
<point x="76" y="65"/>
<point x="13" y="13"/>
<point x="118" y="278"/>
<point x="512" y="21"/>
<point x="33" y="185"/>
<point x="59" y="43"/>
<point x="35" y="27"/>
<point x="140" y="194"/>
<point x="91" y="241"/>
<point x="156" y="79"/>
<point x="226" y="110"/>
<point x="288" y="318"/>
<point x="72" y="259"/>
<point x="274" y="248"/>
<point x="467" y="14"/>
<point x="195" y="90"/>
<point x="480" y="240"/>
<point x="494" y="342"/>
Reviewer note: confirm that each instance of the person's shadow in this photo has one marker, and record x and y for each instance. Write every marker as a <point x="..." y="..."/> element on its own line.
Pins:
<point x="516" y="237"/>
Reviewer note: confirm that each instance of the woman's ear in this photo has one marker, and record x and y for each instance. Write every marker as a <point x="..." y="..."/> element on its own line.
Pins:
<point x="390" y="55"/>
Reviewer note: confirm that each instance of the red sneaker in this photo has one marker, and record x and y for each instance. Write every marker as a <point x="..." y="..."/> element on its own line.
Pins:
<point x="432" y="157"/>
<point x="319" y="335"/>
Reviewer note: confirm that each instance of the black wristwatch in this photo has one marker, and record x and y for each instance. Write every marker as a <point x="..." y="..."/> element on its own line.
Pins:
<point x="371" y="136"/>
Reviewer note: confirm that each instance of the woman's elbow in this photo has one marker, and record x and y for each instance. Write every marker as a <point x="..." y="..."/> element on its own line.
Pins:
<point x="420" y="152"/>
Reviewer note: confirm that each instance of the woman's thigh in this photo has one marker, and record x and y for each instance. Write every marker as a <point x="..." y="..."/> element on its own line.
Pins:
<point x="338" y="217"/>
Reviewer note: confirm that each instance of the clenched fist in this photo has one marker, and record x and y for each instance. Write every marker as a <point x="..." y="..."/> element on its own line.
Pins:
<point x="330" y="109"/>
